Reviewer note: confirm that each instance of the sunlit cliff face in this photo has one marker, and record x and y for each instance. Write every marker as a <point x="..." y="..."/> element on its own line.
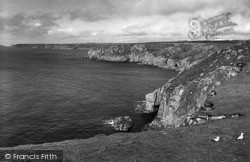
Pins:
<point x="74" y="21"/>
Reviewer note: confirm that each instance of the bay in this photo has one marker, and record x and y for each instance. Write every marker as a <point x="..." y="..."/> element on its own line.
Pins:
<point x="55" y="95"/>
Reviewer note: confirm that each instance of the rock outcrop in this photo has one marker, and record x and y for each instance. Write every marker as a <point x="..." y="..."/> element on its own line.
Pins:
<point x="201" y="66"/>
<point x="181" y="98"/>
<point x="176" y="56"/>
<point x="121" y="123"/>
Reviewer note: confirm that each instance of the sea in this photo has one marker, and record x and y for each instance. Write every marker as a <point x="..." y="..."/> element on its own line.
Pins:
<point x="54" y="95"/>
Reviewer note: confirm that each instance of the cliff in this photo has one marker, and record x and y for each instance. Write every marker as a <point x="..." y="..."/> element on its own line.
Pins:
<point x="201" y="66"/>
<point x="177" y="56"/>
<point x="181" y="98"/>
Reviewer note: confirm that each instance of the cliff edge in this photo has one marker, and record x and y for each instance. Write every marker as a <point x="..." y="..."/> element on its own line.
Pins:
<point x="202" y="67"/>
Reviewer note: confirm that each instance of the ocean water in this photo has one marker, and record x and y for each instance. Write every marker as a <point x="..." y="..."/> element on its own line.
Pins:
<point x="55" y="95"/>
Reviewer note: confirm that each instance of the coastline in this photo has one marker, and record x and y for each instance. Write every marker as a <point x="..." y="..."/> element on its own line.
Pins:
<point x="174" y="144"/>
<point x="181" y="98"/>
<point x="150" y="139"/>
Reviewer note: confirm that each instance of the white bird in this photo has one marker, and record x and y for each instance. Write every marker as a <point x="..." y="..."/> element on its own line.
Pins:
<point x="240" y="137"/>
<point x="216" y="139"/>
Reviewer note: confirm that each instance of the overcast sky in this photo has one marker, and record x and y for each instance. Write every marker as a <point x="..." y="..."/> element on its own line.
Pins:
<point x="80" y="21"/>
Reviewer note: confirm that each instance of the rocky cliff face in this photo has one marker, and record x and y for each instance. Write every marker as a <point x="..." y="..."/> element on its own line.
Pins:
<point x="202" y="66"/>
<point x="178" y="56"/>
<point x="182" y="97"/>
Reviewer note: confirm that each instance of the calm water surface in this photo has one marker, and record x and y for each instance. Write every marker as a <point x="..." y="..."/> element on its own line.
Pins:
<point x="51" y="95"/>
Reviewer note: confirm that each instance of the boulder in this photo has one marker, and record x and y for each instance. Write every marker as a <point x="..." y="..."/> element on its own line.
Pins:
<point x="120" y="123"/>
<point x="140" y="107"/>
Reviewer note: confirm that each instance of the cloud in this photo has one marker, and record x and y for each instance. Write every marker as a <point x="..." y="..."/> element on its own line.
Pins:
<point x="92" y="11"/>
<point x="36" y="25"/>
<point x="115" y="20"/>
<point x="87" y="15"/>
<point x="97" y="10"/>
<point x="2" y="24"/>
<point x="133" y="30"/>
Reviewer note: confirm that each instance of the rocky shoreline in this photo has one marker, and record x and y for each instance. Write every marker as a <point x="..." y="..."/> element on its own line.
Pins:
<point x="201" y="66"/>
<point x="176" y="56"/>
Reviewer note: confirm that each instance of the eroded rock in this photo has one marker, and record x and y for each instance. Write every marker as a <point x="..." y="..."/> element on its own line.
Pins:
<point x="200" y="119"/>
<point x="178" y="56"/>
<point x="120" y="123"/>
<point x="201" y="66"/>
<point x="184" y="95"/>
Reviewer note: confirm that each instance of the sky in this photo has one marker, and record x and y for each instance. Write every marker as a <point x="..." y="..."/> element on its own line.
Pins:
<point x="121" y="21"/>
